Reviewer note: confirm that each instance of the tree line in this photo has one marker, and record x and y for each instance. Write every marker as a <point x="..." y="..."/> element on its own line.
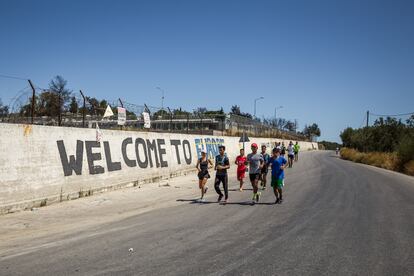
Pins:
<point x="386" y="135"/>
<point x="309" y="131"/>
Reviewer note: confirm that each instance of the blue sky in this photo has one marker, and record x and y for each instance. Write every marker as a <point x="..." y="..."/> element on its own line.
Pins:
<point x="324" y="61"/>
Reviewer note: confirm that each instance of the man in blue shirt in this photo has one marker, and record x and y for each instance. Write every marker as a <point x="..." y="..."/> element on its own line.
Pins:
<point x="278" y="163"/>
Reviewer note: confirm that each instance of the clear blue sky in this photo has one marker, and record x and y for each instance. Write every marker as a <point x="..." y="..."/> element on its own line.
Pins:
<point x="324" y="61"/>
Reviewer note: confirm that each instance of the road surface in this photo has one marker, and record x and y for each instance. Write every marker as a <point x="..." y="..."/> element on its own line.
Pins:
<point x="338" y="218"/>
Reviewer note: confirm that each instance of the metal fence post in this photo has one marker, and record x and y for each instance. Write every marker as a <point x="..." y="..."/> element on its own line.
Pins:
<point x="33" y="100"/>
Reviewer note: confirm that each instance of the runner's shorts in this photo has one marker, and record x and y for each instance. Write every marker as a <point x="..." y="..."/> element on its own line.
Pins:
<point x="203" y="174"/>
<point x="277" y="182"/>
<point x="241" y="174"/>
<point x="254" y="176"/>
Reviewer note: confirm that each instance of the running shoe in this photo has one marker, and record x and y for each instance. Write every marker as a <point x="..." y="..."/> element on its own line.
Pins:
<point x="258" y="197"/>
<point x="219" y="198"/>
<point x="277" y="201"/>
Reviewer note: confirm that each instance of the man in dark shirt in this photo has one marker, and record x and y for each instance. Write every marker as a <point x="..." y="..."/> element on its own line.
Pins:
<point x="221" y="167"/>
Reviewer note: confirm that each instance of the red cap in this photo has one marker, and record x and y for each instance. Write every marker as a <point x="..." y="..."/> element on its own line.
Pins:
<point x="254" y="145"/>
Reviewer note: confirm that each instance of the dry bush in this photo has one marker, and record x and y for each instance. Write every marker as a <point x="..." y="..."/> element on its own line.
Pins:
<point x="379" y="159"/>
<point x="409" y="167"/>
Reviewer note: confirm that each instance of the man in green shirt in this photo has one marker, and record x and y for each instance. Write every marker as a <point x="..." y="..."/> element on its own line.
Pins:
<point x="296" y="149"/>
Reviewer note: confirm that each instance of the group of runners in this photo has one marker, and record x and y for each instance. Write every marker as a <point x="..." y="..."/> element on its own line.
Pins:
<point x="257" y="165"/>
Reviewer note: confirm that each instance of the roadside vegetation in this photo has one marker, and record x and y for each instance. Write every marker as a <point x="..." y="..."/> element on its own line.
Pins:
<point x="388" y="144"/>
<point x="327" y="145"/>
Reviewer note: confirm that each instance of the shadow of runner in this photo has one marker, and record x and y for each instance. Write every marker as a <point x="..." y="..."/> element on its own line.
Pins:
<point x="247" y="203"/>
<point x="196" y="201"/>
<point x="242" y="203"/>
<point x="237" y="190"/>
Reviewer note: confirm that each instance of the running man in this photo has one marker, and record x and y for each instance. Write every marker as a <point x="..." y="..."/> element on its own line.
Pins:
<point x="296" y="149"/>
<point x="291" y="154"/>
<point x="264" y="170"/>
<point x="255" y="161"/>
<point x="278" y="163"/>
<point x="221" y="167"/>
<point x="203" y="164"/>
<point x="282" y="147"/>
<point x="241" y="168"/>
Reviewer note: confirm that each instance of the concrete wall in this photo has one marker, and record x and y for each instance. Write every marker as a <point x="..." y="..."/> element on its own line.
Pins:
<point x="40" y="165"/>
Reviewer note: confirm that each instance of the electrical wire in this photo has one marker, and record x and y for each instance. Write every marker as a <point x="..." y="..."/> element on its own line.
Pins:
<point x="391" y="115"/>
<point x="12" y="77"/>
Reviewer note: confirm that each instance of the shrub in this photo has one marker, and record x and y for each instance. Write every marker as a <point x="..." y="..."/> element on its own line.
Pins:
<point x="379" y="159"/>
<point x="409" y="167"/>
<point x="405" y="150"/>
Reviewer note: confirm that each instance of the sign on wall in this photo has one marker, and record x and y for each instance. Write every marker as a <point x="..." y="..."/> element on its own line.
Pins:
<point x="121" y="116"/>
<point x="147" y="120"/>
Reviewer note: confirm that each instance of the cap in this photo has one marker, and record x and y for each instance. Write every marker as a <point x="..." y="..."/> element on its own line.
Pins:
<point x="254" y="145"/>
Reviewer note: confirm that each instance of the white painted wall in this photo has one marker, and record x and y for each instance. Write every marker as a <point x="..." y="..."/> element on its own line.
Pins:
<point x="31" y="168"/>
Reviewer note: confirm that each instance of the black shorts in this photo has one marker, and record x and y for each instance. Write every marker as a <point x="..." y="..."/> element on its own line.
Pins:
<point x="203" y="174"/>
<point x="264" y="170"/>
<point x="291" y="156"/>
<point x="254" y="176"/>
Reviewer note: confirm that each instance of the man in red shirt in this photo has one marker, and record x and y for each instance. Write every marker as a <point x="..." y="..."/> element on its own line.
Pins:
<point x="241" y="168"/>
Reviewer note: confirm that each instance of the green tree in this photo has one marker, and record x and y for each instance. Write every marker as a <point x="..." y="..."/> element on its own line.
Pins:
<point x="73" y="106"/>
<point x="235" y="109"/>
<point x="410" y="121"/>
<point x="346" y="136"/>
<point x="4" y="110"/>
<point x="312" y="131"/>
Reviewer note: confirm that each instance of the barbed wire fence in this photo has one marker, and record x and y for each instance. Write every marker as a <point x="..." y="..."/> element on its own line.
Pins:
<point x="80" y="110"/>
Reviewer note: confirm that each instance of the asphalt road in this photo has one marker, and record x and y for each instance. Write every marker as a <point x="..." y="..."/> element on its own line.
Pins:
<point x="337" y="218"/>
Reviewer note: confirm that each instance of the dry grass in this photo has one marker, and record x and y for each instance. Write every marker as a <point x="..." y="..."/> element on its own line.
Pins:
<point x="384" y="160"/>
<point x="409" y="167"/>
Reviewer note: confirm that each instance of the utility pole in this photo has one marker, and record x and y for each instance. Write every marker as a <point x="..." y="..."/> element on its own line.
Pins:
<point x="83" y="109"/>
<point x="162" y="97"/>
<point x="367" y="118"/>
<point x="60" y="110"/>
<point x="169" y="126"/>
<point x="33" y="99"/>
<point x="296" y="126"/>
<point x="255" y="100"/>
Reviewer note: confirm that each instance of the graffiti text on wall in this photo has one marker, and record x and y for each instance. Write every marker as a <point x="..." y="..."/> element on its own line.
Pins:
<point x="210" y="145"/>
<point x="140" y="153"/>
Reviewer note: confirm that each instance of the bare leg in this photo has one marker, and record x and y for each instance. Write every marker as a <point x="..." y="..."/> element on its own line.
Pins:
<point x="255" y="184"/>
<point x="203" y="188"/>
<point x="275" y="191"/>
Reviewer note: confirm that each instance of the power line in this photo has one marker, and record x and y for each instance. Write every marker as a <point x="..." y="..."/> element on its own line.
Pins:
<point x="392" y="115"/>
<point x="12" y="77"/>
<point x="363" y="121"/>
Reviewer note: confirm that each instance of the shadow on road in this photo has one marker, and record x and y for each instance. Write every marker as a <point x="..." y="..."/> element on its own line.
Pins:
<point x="237" y="190"/>
<point x="243" y="203"/>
